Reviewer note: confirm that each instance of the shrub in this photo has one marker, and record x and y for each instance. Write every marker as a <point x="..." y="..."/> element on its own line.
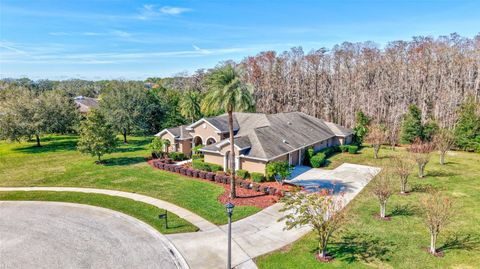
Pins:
<point x="318" y="160"/>
<point x="177" y="168"/>
<point x="160" y="165"/>
<point x="195" y="173"/>
<point x="215" y="167"/>
<point x="210" y="176"/>
<point x="243" y="174"/>
<point x="352" y="149"/>
<point x="202" y="174"/>
<point x="272" y="191"/>
<point x="309" y="154"/>
<point x="209" y="167"/>
<point x="176" y="156"/>
<point x="189" y="172"/>
<point x="330" y="151"/>
<point x="255" y="186"/>
<point x="344" y="148"/>
<point x="257" y="177"/>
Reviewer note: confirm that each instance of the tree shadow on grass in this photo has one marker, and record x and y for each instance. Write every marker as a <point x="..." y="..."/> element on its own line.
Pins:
<point x="123" y="161"/>
<point x="54" y="146"/>
<point x="402" y="210"/>
<point x="440" y="173"/>
<point x="357" y="246"/>
<point x="423" y="188"/>
<point x="463" y="242"/>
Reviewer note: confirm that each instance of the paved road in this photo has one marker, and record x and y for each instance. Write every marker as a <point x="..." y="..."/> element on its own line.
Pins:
<point x="62" y="235"/>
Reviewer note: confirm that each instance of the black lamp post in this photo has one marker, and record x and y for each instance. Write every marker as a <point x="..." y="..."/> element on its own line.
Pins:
<point x="229" y="206"/>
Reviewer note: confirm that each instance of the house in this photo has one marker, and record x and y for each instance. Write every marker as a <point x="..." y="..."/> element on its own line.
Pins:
<point x="259" y="138"/>
<point x="85" y="104"/>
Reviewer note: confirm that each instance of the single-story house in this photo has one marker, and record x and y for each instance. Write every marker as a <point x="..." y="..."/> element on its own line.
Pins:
<point x="259" y="138"/>
<point x="85" y="104"/>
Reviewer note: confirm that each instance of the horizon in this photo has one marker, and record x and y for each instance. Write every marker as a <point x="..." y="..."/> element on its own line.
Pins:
<point x="135" y="40"/>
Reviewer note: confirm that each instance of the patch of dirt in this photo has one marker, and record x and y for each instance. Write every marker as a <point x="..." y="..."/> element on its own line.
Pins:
<point x="387" y="218"/>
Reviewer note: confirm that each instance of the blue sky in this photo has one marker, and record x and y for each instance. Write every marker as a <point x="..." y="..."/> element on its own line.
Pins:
<point x="106" y="39"/>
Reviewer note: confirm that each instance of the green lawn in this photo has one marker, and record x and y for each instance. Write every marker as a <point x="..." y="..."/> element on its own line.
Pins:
<point x="58" y="163"/>
<point x="142" y="211"/>
<point x="366" y="242"/>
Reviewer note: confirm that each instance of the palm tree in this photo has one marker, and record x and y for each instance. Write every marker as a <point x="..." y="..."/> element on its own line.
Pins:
<point x="228" y="93"/>
<point x="190" y="105"/>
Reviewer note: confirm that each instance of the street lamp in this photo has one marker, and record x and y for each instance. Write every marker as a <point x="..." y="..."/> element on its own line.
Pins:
<point x="229" y="206"/>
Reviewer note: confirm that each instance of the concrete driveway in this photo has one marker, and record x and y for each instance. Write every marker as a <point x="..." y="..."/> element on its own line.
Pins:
<point x="348" y="178"/>
<point x="63" y="235"/>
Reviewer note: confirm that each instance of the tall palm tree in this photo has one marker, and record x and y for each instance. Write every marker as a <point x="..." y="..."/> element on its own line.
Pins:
<point x="190" y="105"/>
<point x="226" y="92"/>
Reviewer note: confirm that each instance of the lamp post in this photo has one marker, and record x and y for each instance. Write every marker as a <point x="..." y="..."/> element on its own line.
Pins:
<point x="229" y="206"/>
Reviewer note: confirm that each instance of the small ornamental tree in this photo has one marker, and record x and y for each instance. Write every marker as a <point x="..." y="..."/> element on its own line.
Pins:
<point x="420" y="153"/>
<point x="167" y="144"/>
<point x="320" y="210"/>
<point x="97" y="137"/>
<point x="437" y="213"/>
<point x="444" y="141"/>
<point x="382" y="189"/>
<point x="157" y="147"/>
<point x="376" y="137"/>
<point x="402" y="167"/>
<point x="280" y="169"/>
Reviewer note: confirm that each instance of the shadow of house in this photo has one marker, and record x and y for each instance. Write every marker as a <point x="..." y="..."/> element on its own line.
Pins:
<point x="315" y="185"/>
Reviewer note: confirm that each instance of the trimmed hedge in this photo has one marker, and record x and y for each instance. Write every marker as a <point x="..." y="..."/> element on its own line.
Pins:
<point x="176" y="156"/>
<point x="352" y="149"/>
<point x="209" y="167"/>
<point x="243" y="174"/>
<point x="344" y="148"/>
<point x="318" y="160"/>
<point x="257" y="177"/>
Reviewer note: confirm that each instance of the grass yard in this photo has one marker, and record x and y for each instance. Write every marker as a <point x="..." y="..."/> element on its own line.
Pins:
<point x="142" y="211"/>
<point x="58" y="163"/>
<point x="366" y="242"/>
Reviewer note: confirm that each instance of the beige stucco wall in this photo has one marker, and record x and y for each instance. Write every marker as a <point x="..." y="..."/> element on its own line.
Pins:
<point x="252" y="165"/>
<point x="205" y="130"/>
<point x="185" y="146"/>
<point x="213" y="158"/>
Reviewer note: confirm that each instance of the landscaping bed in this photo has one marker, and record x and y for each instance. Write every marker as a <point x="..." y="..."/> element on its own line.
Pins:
<point x="249" y="193"/>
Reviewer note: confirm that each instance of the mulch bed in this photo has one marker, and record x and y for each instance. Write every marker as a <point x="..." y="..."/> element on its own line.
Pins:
<point x="246" y="197"/>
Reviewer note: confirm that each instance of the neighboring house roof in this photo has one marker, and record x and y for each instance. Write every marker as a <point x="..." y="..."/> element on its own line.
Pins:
<point x="179" y="132"/>
<point x="266" y="137"/>
<point x="85" y="104"/>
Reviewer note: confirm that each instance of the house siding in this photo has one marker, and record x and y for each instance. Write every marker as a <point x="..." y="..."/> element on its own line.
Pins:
<point x="252" y="165"/>
<point x="213" y="158"/>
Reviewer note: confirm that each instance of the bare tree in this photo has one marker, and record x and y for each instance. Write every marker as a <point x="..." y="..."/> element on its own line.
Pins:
<point x="438" y="213"/>
<point x="402" y="167"/>
<point x="420" y="153"/>
<point x="320" y="210"/>
<point x="382" y="189"/>
<point x="376" y="137"/>
<point x="443" y="140"/>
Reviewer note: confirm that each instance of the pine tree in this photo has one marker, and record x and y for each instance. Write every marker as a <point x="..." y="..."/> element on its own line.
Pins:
<point x="467" y="130"/>
<point x="361" y="127"/>
<point x="412" y="125"/>
<point x="97" y="136"/>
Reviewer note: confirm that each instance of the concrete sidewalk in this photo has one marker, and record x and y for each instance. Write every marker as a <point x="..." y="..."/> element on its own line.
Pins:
<point x="253" y="236"/>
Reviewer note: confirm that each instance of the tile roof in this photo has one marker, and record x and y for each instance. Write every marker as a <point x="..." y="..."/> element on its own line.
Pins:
<point x="86" y="103"/>
<point x="270" y="136"/>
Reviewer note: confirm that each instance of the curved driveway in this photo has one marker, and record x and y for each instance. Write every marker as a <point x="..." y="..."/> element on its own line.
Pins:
<point x="64" y="235"/>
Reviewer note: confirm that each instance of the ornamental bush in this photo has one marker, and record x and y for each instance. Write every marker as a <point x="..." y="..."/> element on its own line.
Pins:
<point x="243" y="174"/>
<point x="344" y="148"/>
<point x="176" y="156"/>
<point x="352" y="149"/>
<point x="257" y="177"/>
<point x="318" y="160"/>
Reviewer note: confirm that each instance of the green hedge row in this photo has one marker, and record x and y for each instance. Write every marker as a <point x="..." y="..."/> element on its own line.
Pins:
<point x="349" y="148"/>
<point x="209" y="167"/>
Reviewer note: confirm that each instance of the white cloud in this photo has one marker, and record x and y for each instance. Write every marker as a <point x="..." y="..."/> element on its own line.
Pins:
<point x="174" y="10"/>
